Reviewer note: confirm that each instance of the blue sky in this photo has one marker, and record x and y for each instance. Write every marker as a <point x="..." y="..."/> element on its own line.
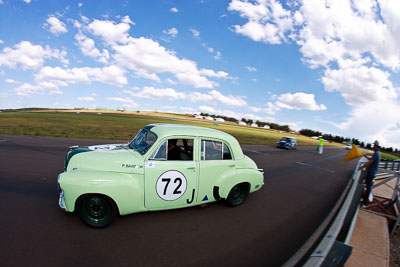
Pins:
<point x="331" y="66"/>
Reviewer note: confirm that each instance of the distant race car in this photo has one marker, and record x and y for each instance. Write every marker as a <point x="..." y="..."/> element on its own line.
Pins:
<point x="166" y="166"/>
<point x="348" y="146"/>
<point x="287" y="142"/>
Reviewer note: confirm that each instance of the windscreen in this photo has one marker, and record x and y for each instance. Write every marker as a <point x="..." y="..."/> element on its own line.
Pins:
<point x="143" y="141"/>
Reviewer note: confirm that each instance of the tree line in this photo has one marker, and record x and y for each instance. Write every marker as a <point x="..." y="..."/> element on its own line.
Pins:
<point x="274" y="126"/>
<point x="305" y="132"/>
<point x="341" y="139"/>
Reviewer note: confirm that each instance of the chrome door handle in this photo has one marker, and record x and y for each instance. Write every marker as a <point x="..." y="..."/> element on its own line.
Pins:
<point x="233" y="165"/>
<point x="191" y="168"/>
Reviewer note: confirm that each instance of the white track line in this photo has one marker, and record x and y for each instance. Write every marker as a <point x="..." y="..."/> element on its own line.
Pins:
<point x="309" y="165"/>
<point x="256" y="152"/>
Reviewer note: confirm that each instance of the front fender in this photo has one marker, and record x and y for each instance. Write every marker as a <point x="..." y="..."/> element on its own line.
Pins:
<point x="252" y="176"/>
<point x="126" y="189"/>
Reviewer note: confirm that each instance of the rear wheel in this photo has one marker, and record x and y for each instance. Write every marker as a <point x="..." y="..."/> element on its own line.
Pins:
<point x="238" y="194"/>
<point x="97" y="210"/>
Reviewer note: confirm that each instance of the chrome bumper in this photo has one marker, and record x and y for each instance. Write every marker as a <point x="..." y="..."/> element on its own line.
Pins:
<point x="60" y="200"/>
<point x="60" y="193"/>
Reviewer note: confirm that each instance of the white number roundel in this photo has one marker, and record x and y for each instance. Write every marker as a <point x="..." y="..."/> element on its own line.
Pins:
<point x="171" y="185"/>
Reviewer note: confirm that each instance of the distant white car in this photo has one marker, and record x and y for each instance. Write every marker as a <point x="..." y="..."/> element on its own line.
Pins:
<point x="348" y="146"/>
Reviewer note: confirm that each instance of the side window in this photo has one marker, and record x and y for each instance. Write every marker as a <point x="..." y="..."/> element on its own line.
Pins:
<point x="226" y="152"/>
<point x="213" y="150"/>
<point x="174" y="149"/>
<point x="161" y="152"/>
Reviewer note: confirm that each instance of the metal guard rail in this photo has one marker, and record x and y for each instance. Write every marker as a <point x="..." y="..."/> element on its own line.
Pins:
<point x="333" y="248"/>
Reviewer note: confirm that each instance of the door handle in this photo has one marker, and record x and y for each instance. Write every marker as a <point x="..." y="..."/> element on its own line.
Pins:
<point x="191" y="168"/>
<point x="233" y="165"/>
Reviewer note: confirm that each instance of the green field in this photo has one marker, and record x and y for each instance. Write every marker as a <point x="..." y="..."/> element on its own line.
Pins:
<point x="120" y="126"/>
<point x="124" y="126"/>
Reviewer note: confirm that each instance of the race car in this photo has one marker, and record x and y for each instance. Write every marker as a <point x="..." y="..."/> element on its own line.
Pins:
<point x="166" y="166"/>
<point x="287" y="142"/>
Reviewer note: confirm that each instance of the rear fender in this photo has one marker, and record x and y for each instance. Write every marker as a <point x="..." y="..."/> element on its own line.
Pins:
<point x="251" y="176"/>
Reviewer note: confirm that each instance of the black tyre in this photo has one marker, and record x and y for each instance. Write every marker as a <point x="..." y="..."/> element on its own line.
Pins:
<point x="238" y="194"/>
<point x="96" y="210"/>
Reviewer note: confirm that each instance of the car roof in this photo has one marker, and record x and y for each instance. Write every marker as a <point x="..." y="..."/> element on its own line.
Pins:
<point x="166" y="129"/>
<point x="163" y="129"/>
<point x="289" y="137"/>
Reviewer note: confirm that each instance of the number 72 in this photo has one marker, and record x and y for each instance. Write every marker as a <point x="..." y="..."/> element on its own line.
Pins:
<point x="177" y="181"/>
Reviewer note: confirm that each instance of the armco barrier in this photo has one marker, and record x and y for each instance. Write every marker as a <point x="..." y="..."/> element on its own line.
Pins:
<point x="326" y="246"/>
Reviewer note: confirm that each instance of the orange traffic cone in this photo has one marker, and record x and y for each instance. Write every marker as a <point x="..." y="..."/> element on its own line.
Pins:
<point x="353" y="153"/>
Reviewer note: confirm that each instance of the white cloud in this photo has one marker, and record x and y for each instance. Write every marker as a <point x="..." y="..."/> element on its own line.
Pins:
<point x="80" y="4"/>
<point x="27" y="89"/>
<point x="298" y="101"/>
<point x="211" y="73"/>
<point x="85" y="98"/>
<point x="207" y="109"/>
<point x="214" y="96"/>
<point x="267" y="22"/>
<point x="195" y="32"/>
<point x="29" y="56"/>
<point x="111" y="75"/>
<point x="346" y="32"/>
<point x="1" y="42"/>
<point x="127" y="101"/>
<point x="148" y="58"/>
<point x="127" y="20"/>
<point x="62" y="77"/>
<point x="173" y="32"/>
<point x="291" y="101"/>
<point x="55" y="25"/>
<point x="57" y="76"/>
<point x="251" y="69"/>
<point x="374" y="121"/>
<point x="187" y="109"/>
<point x="361" y="85"/>
<point x="355" y="43"/>
<point x="27" y="1"/>
<point x="109" y="31"/>
<point x="269" y="108"/>
<point x="155" y="93"/>
<point x="85" y="19"/>
<point x="11" y="81"/>
<point x="217" y="55"/>
<point x="88" y="48"/>
<point x="174" y="10"/>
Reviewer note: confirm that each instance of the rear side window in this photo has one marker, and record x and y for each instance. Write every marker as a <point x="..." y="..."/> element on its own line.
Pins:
<point x="213" y="150"/>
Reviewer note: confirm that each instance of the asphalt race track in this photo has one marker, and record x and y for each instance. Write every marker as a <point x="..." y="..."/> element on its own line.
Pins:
<point x="300" y="189"/>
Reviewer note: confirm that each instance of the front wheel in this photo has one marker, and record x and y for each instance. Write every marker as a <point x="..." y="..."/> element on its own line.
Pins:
<point x="97" y="210"/>
<point x="238" y="194"/>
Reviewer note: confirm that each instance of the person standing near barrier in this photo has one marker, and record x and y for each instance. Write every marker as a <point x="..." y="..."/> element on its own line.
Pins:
<point x="372" y="167"/>
<point x="320" y="148"/>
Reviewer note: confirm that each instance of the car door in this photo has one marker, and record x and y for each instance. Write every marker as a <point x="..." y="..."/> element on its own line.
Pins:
<point x="171" y="174"/>
<point x="216" y="160"/>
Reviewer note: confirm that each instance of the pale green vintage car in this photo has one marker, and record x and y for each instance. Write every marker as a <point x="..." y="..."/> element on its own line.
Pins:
<point x="166" y="166"/>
